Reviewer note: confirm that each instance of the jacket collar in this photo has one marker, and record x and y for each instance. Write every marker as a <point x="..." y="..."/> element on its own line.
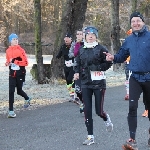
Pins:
<point x="140" y="32"/>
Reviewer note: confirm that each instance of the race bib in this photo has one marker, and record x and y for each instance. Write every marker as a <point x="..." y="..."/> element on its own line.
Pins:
<point x="14" y="67"/>
<point x="98" y="75"/>
<point x="68" y="63"/>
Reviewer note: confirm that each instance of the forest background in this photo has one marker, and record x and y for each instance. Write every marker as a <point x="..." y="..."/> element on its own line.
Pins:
<point x="57" y="17"/>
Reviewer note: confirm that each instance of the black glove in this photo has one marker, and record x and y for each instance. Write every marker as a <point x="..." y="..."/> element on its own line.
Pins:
<point x="17" y="58"/>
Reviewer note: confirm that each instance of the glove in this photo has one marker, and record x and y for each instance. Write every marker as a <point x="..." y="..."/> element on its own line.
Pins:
<point x="17" y="58"/>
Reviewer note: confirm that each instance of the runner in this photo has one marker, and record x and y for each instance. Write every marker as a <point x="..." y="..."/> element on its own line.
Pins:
<point x="68" y="65"/>
<point x="73" y="52"/>
<point x="90" y="66"/>
<point x="137" y="46"/>
<point x="16" y="60"/>
<point x="127" y="71"/>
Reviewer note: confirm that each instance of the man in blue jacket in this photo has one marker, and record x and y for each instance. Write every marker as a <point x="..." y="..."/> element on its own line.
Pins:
<point x="137" y="45"/>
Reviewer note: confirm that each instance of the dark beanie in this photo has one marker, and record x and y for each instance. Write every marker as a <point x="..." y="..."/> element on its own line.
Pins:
<point x="68" y="35"/>
<point x="136" y="14"/>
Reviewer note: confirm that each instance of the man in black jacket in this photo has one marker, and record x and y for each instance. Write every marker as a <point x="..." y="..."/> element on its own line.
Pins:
<point x="68" y="64"/>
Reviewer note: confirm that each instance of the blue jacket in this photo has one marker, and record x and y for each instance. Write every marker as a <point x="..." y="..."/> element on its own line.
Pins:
<point x="138" y="47"/>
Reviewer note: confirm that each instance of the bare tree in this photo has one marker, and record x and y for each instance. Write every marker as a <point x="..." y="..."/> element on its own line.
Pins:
<point x="115" y="31"/>
<point x="134" y="5"/>
<point x="38" y="48"/>
<point x="71" y="21"/>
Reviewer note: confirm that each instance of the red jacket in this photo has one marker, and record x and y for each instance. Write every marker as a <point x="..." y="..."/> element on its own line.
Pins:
<point x="14" y="52"/>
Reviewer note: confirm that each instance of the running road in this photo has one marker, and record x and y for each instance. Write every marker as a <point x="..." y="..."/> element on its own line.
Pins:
<point x="61" y="127"/>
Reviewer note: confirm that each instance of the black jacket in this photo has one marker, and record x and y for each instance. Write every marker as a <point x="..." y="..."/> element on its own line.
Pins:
<point x="91" y="59"/>
<point x="63" y="52"/>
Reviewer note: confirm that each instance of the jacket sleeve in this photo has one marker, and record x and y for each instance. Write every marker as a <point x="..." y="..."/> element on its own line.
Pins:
<point x="71" y="50"/>
<point x="23" y="61"/>
<point x="7" y="57"/>
<point x="104" y="65"/>
<point x="77" y="64"/>
<point x="59" y="53"/>
<point x="122" y="55"/>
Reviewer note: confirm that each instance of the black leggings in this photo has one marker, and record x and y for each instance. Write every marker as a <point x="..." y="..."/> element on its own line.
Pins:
<point x="69" y="73"/>
<point x="99" y="101"/>
<point x="144" y="101"/>
<point x="135" y="90"/>
<point x="18" y="83"/>
<point x="78" y="89"/>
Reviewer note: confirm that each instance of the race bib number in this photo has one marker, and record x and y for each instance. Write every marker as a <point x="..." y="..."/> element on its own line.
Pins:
<point x="68" y="63"/>
<point x="14" y="67"/>
<point x="97" y="75"/>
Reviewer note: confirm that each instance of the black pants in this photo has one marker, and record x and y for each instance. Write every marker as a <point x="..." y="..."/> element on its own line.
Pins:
<point x="144" y="101"/>
<point x="99" y="101"/>
<point x="135" y="90"/>
<point x="69" y="73"/>
<point x="78" y="89"/>
<point x="18" y="83"/>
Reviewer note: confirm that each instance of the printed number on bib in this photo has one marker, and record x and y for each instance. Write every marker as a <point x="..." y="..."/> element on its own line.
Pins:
<point x="97" y="75"/>
<point x="68" y="63"/>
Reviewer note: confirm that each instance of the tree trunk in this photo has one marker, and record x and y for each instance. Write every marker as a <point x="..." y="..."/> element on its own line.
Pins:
<point x="134" y="5"/>
<point x="115" y="29"/>
<point x="38" y="48"/>
<point x="147" y="20"/>
<point x="71" y="21"/>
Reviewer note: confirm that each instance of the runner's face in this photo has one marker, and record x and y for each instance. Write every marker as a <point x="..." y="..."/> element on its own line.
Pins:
<point x="90" y="37"/>
<point x="68" y="40"/>
<point x="137" y="23"/>
<point x="14" y="41"/>
<point x="79" y="36"/>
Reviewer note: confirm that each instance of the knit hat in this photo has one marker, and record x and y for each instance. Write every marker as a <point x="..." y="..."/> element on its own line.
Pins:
<point x="136" y="14"/>
<point x="91" y="29"/>
<point x="12" y="36"/>
<point x="68" y="35"/>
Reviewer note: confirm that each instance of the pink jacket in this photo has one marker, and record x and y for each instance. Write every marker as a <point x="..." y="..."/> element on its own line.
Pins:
<point x="76" y="48"/>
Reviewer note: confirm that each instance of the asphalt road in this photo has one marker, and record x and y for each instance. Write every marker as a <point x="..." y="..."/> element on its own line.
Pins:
<point x="61" y="127"/>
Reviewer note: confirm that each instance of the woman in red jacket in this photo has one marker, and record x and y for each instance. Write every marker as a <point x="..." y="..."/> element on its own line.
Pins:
<point x="16" y="59"/>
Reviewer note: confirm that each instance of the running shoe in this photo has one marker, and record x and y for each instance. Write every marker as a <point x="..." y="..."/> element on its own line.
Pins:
<point x="11" y="114"/>
<point x="145" y="114"/>
<point x="130" y="145"/>
<point x="27" y="103"/>
<point x="71" y="98"/>
<point x="81" y="108"/>
<point x="77" y="101"/>
<point x="127" y="97"/>
<point x="108" y="124"/>
<point x="89" y="141"/>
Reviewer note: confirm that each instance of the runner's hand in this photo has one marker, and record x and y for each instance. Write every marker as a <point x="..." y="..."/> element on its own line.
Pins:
<point x="76" y="76"/>
<point x="109" y="57"/>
